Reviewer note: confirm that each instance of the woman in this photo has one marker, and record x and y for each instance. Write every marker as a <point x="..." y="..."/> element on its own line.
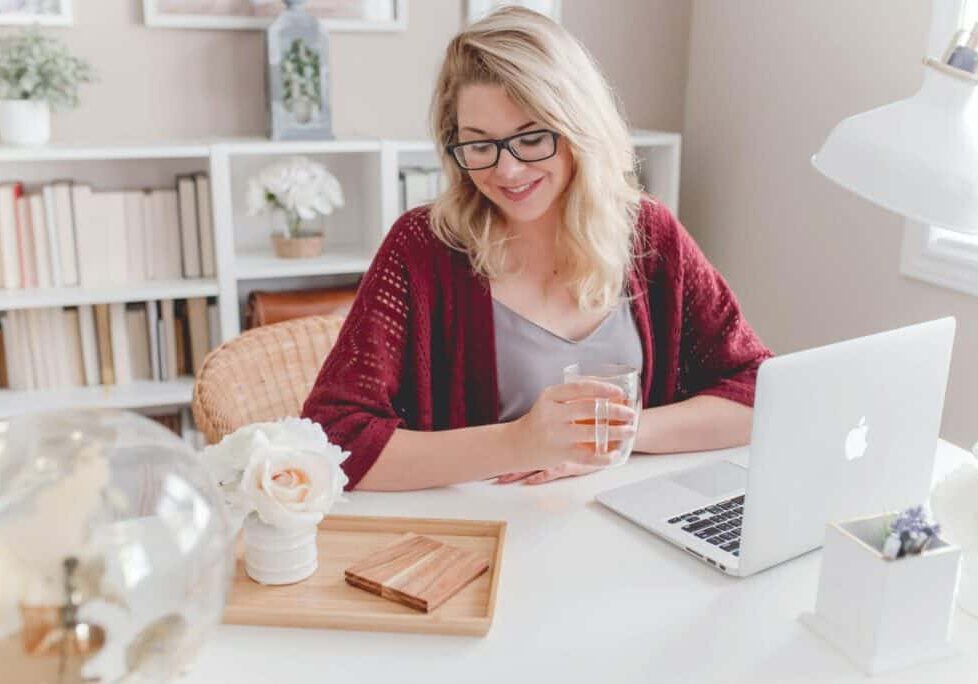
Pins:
<point x="542" y="232"/>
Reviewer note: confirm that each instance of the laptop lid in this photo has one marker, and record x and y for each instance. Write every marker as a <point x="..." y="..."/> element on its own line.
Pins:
<point x="841" y="431"/>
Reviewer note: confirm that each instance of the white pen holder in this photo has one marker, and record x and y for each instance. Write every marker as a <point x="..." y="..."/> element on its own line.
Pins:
<point x="883" y="614"/>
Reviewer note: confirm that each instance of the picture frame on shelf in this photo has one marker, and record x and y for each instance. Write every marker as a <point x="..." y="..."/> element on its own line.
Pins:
<point x="480" y="8"/>
<point x="43" y="12"/>
<point x="336" y="15"/>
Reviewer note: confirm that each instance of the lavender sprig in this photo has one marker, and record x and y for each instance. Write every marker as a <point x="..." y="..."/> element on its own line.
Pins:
<point x="909" y="534"/>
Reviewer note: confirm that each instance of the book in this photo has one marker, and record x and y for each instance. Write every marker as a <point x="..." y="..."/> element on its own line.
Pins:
<point x="89" y="345"/>
<point x="58" y="349"/>
<point x="25" y="243"/>
<point x="35" y="346"/>
<point x="91" y="237"/>
<point x="135" y="236"/>
<point x="164" y="251"/>
<point x="182" y="337"/>
<point x="168" y="340"/>
<point x="64" y="214"/>
<point x="214" y="324"/>
<point x="119" y="336"/>
<point x="153" y="335"/>
<point x="76" y="359"/>
<point x="199" y="332"/>
<point x="42" y="249"/>
<point x="12" y="352"/>
<point x="9" y="251"/>
<point x="205" y="224"/>
<point x="54" y="244"/>
<point x="139" y="349"/>
<point x="189" y="231"/>
<point x="103" y="333"/>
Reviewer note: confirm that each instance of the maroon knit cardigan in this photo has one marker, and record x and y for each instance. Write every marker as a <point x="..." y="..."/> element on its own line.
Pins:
<point x="417" y="350"/>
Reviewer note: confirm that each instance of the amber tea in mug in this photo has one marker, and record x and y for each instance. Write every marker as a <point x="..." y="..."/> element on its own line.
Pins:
<point x="620" y="375"/>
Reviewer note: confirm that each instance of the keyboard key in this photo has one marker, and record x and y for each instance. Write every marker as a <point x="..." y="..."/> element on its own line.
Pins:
<point x="738" y="521"/>
<point x="714" y="509"/>
<point x="716" y="541"/>
<point x="730" y="546"/>
<point x="739" y="499"/>
<point x="696" y="526"/>
<point x="673" y="521"/>
<point x="698" y="511"/>
<point x="703" y="534"/>
<point x="692" y="518"/>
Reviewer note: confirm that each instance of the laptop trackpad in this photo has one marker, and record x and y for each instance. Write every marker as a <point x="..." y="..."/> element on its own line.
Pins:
<point x="713" y="480"/>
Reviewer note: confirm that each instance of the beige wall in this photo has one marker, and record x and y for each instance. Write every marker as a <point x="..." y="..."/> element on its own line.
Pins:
<point x="811" y="262"/>
<point x="168" y="83"/>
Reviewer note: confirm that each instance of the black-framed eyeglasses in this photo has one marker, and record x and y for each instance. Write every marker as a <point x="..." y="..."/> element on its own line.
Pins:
<point x="531" y="146"/>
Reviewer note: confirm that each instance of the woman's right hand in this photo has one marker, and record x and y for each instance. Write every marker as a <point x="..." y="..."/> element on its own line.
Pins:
<point x="552" y="432"/>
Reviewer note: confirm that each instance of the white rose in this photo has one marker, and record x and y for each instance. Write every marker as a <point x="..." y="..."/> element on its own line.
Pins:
<point x="287" y="471"/>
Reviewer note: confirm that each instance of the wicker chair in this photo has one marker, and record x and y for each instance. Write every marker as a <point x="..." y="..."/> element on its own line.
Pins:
<point x="263" y="374"/>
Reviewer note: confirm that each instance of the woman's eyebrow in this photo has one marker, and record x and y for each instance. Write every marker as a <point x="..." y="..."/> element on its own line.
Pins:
<point x="479" y="131"/>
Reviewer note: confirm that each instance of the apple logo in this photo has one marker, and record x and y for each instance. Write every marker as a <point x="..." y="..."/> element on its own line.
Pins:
<point x="856" y="440"/>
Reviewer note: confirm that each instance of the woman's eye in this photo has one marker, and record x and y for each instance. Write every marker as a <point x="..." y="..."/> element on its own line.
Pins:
<point x="480" y="148"/>
<point x="531" y="140"/>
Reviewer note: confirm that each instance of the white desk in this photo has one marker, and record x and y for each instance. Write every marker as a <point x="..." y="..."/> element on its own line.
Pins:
<point x="584" y="596"/>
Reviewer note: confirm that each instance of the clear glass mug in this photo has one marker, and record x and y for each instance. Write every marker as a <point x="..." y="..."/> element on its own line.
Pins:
<point x="620" y="375"/>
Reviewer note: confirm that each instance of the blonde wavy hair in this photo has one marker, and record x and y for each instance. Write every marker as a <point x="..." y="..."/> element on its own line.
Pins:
<point x="552" y="77"/>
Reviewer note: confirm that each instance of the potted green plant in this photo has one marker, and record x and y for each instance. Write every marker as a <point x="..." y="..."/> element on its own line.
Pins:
<point x="294" y="191"/>
<point x="37" y="73"/>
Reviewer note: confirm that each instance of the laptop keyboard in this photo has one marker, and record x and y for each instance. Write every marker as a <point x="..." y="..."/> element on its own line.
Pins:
<point x="718" y="524"/>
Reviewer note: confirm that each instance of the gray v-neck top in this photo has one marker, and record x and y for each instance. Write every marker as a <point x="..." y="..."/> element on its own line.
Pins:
<point x="530" y="358"/>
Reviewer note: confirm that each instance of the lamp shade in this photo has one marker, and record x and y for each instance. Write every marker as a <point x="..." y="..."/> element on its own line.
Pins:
<point x="917" y="157"/>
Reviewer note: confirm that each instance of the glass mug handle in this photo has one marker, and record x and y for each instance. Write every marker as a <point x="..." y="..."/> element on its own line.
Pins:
<point x="601" y="422"/>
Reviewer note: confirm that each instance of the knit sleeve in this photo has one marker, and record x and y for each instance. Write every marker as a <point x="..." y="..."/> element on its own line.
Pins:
<point x="719" y="352"/>
<point x="354" y="395"/>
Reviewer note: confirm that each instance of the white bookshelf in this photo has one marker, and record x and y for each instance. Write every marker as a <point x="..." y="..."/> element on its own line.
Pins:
<point x="137" y="395"/>
<point x="367" y="169"/>
<point x="38" y="298"/>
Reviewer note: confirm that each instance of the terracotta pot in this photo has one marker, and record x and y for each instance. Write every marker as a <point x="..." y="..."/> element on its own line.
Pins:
<point x="304" y="246"/>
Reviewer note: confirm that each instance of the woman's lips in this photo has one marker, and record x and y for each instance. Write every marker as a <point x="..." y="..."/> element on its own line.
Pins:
<point x="521" y="192"/>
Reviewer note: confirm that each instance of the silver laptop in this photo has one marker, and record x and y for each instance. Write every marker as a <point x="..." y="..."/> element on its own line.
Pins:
<point x="839" y="431"/>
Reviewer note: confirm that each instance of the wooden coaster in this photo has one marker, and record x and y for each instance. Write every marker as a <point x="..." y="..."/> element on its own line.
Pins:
<point x="417" y="571"/>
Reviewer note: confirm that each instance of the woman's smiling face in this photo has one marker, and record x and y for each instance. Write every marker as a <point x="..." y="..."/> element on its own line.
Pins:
<point x="523" y="191"/>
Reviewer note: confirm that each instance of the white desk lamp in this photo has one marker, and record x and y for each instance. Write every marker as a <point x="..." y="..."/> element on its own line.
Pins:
<point x="919" y="157"/>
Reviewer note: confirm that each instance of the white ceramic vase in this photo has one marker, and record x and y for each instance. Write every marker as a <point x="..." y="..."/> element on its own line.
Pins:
<point x="275" y="555"/>
<point x="25" y="122"/>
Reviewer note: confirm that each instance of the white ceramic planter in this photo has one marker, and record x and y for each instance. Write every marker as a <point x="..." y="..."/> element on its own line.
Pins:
<point x="274" y="555"/>
<point x="884" y="614"/>
<point x="25" y="122"/>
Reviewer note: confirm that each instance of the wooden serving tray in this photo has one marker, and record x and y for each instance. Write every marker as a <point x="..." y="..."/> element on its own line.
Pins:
<point x="325" y="600"/>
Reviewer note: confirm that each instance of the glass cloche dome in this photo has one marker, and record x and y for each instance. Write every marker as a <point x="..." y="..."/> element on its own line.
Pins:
<point x="115" y="559"/>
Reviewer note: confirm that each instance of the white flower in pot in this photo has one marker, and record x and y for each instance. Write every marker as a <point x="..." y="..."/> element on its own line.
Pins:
<point x="279" y="479"/>
<point x="37" y="73"/>
<point x="301" y="189"/>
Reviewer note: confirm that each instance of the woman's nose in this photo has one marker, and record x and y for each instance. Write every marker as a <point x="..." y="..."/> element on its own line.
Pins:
<point x="508" y="165"/>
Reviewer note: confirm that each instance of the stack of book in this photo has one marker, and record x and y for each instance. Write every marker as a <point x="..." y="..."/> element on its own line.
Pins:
<point x="420" y="185"/>
<point x="64" y="234"/>
<point x="107" y="344"/>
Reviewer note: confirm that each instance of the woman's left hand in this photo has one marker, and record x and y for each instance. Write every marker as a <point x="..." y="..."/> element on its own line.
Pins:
<point x="533" y="477"/>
